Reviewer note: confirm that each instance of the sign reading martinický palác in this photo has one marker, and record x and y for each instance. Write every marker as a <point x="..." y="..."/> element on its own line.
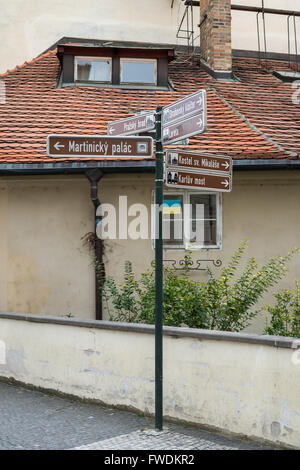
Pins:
<point x="99" y="146"/>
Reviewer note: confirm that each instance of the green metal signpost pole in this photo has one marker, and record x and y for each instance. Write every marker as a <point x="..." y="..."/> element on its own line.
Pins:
<point x="159" y="176"/>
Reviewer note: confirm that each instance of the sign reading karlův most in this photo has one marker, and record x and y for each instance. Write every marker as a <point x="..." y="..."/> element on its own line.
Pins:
<point x="199" y="180"/>
<point x="132" y="125"/>
<point x="99" y="146"/>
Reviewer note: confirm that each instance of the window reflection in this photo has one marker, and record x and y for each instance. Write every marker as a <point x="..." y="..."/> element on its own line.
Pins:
<point x="93" y="70"/>
<point x="138" y="71"/>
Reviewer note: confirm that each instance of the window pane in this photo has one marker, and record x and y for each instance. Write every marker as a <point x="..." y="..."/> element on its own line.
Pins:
<point x="203" y="222"/>
<point x="204" y="232"/>
<point x="210" y="205"/>
<point x="173" y="220"/>
<point x="138" y="72"/>
<point x="93" y="70"/>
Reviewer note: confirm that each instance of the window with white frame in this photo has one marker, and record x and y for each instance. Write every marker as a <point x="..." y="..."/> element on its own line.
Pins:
<point x="191" y="220"/>
<point x="93" y="69"/>
<point x="143" y="71"/>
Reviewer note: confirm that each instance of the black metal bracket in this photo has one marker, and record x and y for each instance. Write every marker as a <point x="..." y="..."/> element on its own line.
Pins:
<point x="191" y="265"/>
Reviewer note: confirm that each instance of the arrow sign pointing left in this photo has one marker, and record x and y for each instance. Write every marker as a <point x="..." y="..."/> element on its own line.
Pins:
<point x="132" y="125"/>
<point x="99" y="146"/>
<point x="58" y="146"/>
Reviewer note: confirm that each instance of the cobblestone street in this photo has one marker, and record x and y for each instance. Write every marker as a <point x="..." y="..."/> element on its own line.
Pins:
<point x="35" y="420"/>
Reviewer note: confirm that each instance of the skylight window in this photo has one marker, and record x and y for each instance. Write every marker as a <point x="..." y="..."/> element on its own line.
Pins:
<point x="143" y="71"/>
<point x="287" y="76"/>
<point x="94" y="69"/>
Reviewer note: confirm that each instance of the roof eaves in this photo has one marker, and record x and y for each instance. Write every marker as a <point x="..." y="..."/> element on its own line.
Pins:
<point x="20" y="67"/>
<point x="133" y="166"/>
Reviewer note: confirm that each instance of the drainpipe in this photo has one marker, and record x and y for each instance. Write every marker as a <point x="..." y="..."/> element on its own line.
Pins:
<point x="94" y="177"/>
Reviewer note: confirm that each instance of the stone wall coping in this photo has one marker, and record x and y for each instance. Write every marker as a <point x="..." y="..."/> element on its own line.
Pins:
<point x="178" y="332"/>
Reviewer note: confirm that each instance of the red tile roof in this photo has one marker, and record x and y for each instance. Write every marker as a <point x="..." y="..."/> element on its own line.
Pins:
<point x="253" y="118"/>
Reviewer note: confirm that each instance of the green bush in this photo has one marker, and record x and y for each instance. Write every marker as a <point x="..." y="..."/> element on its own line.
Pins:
<point x="285" y="314"/>
<point x="222" y="303"/>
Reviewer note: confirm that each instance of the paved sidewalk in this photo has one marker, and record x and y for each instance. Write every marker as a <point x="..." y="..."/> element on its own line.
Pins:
<point x="35" y="420"/>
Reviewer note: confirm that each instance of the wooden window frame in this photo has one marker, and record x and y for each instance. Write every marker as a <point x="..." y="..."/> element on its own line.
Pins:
<point x="187" y="245"/>
<point x="92" y="59"/>
<point x="139" y="60"/>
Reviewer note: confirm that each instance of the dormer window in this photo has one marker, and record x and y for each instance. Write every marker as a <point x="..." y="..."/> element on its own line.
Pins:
<point x="92" y="69"/>
<point x="114" y="65"/>
<point x="138" y="71"/>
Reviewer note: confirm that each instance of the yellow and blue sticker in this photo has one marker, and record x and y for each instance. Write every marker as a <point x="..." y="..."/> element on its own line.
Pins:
<point x="172" y="207"/>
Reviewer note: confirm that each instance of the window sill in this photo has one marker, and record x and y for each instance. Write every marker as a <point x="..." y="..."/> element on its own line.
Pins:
<point x="118" y="86"/>
<point x="191" y="248"/>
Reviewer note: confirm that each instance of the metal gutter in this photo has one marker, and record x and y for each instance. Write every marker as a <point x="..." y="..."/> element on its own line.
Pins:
<point x="94" y="176"/>
<point x="76" y="167"/>
<point x="266" y="164"/>
<point x="134" y="166"/>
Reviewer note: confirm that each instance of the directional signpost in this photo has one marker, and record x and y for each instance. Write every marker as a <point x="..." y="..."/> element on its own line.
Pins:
<point x="99" y="146"/>
<point x="132" y="125"/>
<point x="179" y="120"/>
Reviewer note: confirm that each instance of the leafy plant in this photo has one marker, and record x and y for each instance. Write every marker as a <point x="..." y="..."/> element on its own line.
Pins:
<point x="229" y="300"/>
<point x="285" y="314"/>
<point x="222" y="303"/>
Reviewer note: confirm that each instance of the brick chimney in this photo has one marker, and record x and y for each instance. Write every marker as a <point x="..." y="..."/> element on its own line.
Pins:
<point x="215" y="37"/>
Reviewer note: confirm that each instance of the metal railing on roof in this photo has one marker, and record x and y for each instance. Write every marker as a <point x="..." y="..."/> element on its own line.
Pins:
<point x="186" y="26"/>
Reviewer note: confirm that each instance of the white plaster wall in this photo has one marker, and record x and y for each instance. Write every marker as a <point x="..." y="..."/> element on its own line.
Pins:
<point x="244" y="28"/>
<point x="44" y="263"/>
<point x="28" y="27"/>
<point x="254" y="195"/>
<point x="46" y="269"/>
<point x="246" y="389"/>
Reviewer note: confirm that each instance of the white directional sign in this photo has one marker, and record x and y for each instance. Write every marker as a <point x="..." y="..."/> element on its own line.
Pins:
<point x="132" y="125"/>
<point x="184" y="108"/>
<point x="184" y="118"/>
<point x="182" y="129"/>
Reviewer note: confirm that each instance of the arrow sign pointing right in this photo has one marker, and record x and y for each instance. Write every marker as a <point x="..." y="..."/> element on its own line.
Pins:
<point x="203" y="180"/>
<point x="184" y="159"/>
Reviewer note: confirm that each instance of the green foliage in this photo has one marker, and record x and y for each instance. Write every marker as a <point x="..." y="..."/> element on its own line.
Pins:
<point x="285" y="314"/>
<point x="222" y="303"/>
<point x="230" y="300"/>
